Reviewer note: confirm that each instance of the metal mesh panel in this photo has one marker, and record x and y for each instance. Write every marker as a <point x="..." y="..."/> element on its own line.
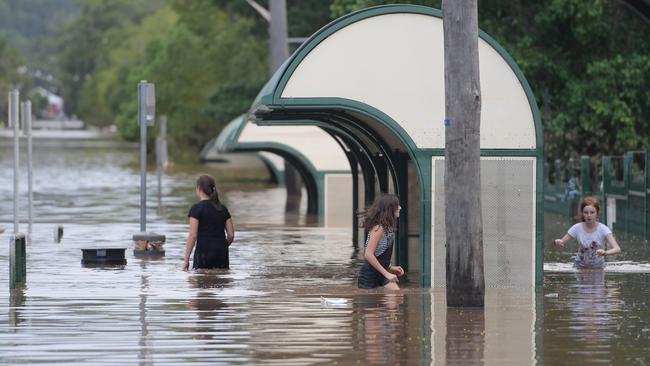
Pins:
<point x="636" y="213"/>
<point x="508" y="198"/>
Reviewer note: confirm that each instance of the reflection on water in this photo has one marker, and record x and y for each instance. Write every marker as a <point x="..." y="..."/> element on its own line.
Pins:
<point x="465" y="341"/>
<point x="266" y="309"/>
<point x="597" y="318"/>
<point x="16" y="302"/>
<point x="594" y="312"/>
<point x="381" y="327"/>
<point x="206" y="304"/>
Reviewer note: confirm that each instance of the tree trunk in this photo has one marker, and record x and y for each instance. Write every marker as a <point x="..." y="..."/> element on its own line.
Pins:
<point x="278" y="53"/>
<point x="463" y="220"/>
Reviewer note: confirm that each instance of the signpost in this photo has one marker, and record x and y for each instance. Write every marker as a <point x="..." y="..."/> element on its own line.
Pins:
<point x="146" y="243"/>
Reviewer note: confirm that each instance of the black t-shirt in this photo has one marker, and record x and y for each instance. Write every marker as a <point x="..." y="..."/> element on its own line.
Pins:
<point x="212" y="221"/>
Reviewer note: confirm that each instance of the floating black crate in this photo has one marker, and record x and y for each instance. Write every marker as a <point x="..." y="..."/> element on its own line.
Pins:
<point x="108" y="257"/>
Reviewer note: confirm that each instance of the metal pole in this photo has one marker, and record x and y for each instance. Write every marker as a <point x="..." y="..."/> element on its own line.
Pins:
<point x="161" y="153"/>
<point x="159" y="167"/>
<point x="14" y="99"/>
<point x="278" y="33"/>
<point x="143" y="155"/>
<point x="27" y="128"/>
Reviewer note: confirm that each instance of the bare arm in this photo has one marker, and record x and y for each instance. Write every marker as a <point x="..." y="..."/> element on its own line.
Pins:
<point x="230" y="231"/>
<point x="612" y="243"/>
<point x="375" y="235"/>
<point x="562" y="242"/>
<point x="191" y="240"/>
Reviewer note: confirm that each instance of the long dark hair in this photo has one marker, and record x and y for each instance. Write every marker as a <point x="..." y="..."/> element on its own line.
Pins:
<point x="208" y="186"/>
<point x="381" y="212"/>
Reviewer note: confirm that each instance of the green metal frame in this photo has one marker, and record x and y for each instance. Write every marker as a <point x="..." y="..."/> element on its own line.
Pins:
<point x="269" y="101"/>
<point x="629" y="187"/>
<point x="314" y="179"/>
<point x="277" y="175"/>
<point x="381" y="167"/>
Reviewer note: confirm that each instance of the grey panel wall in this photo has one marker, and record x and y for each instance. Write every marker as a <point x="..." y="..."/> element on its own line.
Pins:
<point x="508" y="198"/>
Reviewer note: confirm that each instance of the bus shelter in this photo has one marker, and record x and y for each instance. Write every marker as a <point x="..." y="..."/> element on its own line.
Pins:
<point x="273" y="163"/>
<point x="318" y="157"/>
<point x="376" y="78"/>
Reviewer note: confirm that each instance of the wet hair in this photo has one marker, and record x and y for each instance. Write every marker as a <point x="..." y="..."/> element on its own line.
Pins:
<point x="208" y="186"/>
<point x="381" y="212"/>
<point x="588" y="201"/>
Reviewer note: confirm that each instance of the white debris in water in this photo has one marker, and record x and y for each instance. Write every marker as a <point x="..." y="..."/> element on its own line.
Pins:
<point x="333" y="301"/>
<point x="612" y="267"/>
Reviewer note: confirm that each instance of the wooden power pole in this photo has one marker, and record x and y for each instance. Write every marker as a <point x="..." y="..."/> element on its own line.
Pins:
<point x="276" y="15"/>
<point x="279" y="52"/>
<point x="463" y="220"/>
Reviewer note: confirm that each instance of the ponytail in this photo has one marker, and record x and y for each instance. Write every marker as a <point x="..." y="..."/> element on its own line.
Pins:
<point x="207" y="185"/>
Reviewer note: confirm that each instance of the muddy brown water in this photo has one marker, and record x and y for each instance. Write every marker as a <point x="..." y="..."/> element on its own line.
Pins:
<point x="268" y="308"/>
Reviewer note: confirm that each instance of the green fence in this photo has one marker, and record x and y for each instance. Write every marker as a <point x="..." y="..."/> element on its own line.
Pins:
<point x="621" y="183"/>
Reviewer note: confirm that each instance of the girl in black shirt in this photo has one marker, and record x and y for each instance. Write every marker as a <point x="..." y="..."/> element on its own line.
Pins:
<point x="211" y="228"/>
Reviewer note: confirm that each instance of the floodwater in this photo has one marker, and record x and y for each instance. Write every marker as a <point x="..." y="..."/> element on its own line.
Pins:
<point x="268" y="308"/>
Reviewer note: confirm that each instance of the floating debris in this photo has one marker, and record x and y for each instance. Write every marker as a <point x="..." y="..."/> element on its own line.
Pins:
<point x="333" y="301"/>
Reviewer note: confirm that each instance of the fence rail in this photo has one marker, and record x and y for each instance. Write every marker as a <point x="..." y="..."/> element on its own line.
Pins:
<point x="621" y="183"/>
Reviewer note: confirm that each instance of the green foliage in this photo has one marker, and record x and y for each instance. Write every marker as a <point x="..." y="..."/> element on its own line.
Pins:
<point x="122" y="56"/>
<point x="342" y="7"/>
<point x="202" y="51"/>
<point x="31" y="26"/>
<point x="10" y="60"/>
<point x="305" y="17"/>
<point x="229" y="100"/>
<point x="85" y="42"/>
<point x="590" y="59"/>
<point x="587" y="63"/>
<point x="39" y="102"/>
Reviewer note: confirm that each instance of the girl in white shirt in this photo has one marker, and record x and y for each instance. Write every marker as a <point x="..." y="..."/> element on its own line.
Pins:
<point x="591" y="236"/>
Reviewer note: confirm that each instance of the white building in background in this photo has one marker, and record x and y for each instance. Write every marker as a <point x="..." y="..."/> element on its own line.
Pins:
<point x="54" y="109"/>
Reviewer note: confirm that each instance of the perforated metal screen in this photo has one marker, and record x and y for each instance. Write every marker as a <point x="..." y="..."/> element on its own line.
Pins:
<point x="508" y="207"/>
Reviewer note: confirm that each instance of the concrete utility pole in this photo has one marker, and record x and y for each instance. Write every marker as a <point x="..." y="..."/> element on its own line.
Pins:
<point x="14" y="122"/>
<point x="26" y="116"/>
<point x="276" y="15"/>
<point x="279" y="46"/>
<point x="463" y="219"/>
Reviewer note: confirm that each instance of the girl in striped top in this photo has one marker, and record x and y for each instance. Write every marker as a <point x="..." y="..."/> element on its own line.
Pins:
<point x="380" y="220"/>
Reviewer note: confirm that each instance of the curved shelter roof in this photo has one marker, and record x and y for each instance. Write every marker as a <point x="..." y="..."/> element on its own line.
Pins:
<point x="371" y="58"/>
<point x="377" y="76"/>
<point x="316" y="155"/>
<point x="315" y="147"/>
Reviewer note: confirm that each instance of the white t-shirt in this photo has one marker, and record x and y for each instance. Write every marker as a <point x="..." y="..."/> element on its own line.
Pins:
<point x="588" y="243"/>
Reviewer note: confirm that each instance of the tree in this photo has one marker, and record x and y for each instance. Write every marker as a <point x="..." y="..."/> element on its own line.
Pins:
<point x="30" y="26"/>
<point x="587" y="63"/>
<point x="82" y="41"/>
<point x="342" y="7"/>
<point x="564" y="49"/>
<point x="192" y="64"/>
<point x="463" y="219"/>
<point x="10" y="60"/>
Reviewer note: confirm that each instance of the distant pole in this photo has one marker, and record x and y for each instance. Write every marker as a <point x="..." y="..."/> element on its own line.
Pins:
<point x="17" y="261"/>
<point x="276" y="15"/>
<point x="27" y="130"/>
<point x="463" y="219"/>
<point x="14" y="121"/>
<point x="279" y="48"/>
<point x="161" y="155"/>
<point x="143" y="120"/>
<point x="279" y="52"/>
<point x="143" y="168"/>
<point x="146" y="243"/>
